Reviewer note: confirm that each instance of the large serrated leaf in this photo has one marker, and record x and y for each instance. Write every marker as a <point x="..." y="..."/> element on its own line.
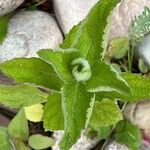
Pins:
<point x="61" y="61"/>
<point x="18" y="127"/>
<point x="76" y="101"/>
<point x="5" y="142"/>
<point x="140" y="89"/>
<point x="105" y="114"/>
<point x="21" y="95"/>
<point x="105" y="78"/>
<point x="88" y="35"/>
<point x="32" y="70"/>
<point x="53" y="116"/>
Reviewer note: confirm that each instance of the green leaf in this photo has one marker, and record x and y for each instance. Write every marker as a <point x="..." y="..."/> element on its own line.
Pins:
<point x="21" y="95"/>
<point x="118" y="47"/>
<point x="53" y="115"/>
<point x="129" y="135"/>
<point x="139" y="86"/>
<point x="20" y="145"/>
<point x="32" y="70"/>
<point x="143" y="67"/>
<point x="40" y="142"/>
<point x="61" y="61"/>
<point x="103" y="132"/>
<point x="34" y="112"/>
<point x="5" y="142"/>
<point x="105" y="78"/>
<point x="75" y="101"/>
<point x="105" y="114"/>
<point x="87" y="37"/>
<point x="4" y="20"/>
<point x="18" y="127"/>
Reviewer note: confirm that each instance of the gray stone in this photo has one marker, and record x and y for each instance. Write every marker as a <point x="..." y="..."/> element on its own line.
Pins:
<point x="143" y="50"/>
<point x="6" y="6"/>
<point x="115" y="146"/>
<point x="82" y="144"/>
<point x="71" y="12"/>
<point x="123" y="15"/>
<point x="139" y="114"/>
<point x="30" y="31"/>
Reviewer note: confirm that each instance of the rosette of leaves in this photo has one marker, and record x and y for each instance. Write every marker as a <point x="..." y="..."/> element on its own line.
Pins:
<point x="84" y="88"/>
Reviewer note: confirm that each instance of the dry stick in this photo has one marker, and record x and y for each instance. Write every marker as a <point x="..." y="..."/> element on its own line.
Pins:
<point x="110" y="135"/>
<point x="40" y="2"/>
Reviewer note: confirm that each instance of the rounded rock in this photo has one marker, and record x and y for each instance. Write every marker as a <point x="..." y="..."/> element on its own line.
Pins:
<point x="115" y="146"/>
<point x="28" y="32"/>
<point x="139" y="114"/>
<point x="123" y="15"/>
<point x="6" y="6"/>
<point x="71" y="12"/>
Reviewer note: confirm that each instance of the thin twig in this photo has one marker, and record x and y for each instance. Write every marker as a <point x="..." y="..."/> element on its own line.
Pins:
<point x="40" y="2"/>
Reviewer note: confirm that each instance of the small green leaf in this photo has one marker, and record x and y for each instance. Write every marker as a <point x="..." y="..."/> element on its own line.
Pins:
<point x="105" y="78"/>
<point x="20" y="145"/>
<point x="118" y="47"/>
<point x="53" y="115"/>
<point x="32" y="70"/>
<point x="34" y="112"/>
<point x="21" y="95"/>
<point x="81" y="69"/>
<point x="129" y="135"/>
<point x="143" y="67"/>
<point x="103" y="132"/>
<point x="4" y="20"/>
<point x="40" y="142"/>
<point x="88" y="36"/>
<point x="61" y="61"/>
<point x="5" y="142"/>
<point x="140" y="89"/>
<point x="75" y="103"/>
<point x="105" y="113"/>
<point x="18" y="127"/>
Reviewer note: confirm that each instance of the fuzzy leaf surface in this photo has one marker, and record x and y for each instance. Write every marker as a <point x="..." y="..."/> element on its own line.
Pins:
<point x="61" y="61"/>
<point x="18" y="127"/>
<point x="87" y="37"/>
<point x="53" y="114"/>
<point x="140" y="89"/>
<point x="105" y="78"/>
<point x="21" y="95"/>
<point x="32" y="70"/>
<point x="75" y="101"/>
<point x="105" y="114"/>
